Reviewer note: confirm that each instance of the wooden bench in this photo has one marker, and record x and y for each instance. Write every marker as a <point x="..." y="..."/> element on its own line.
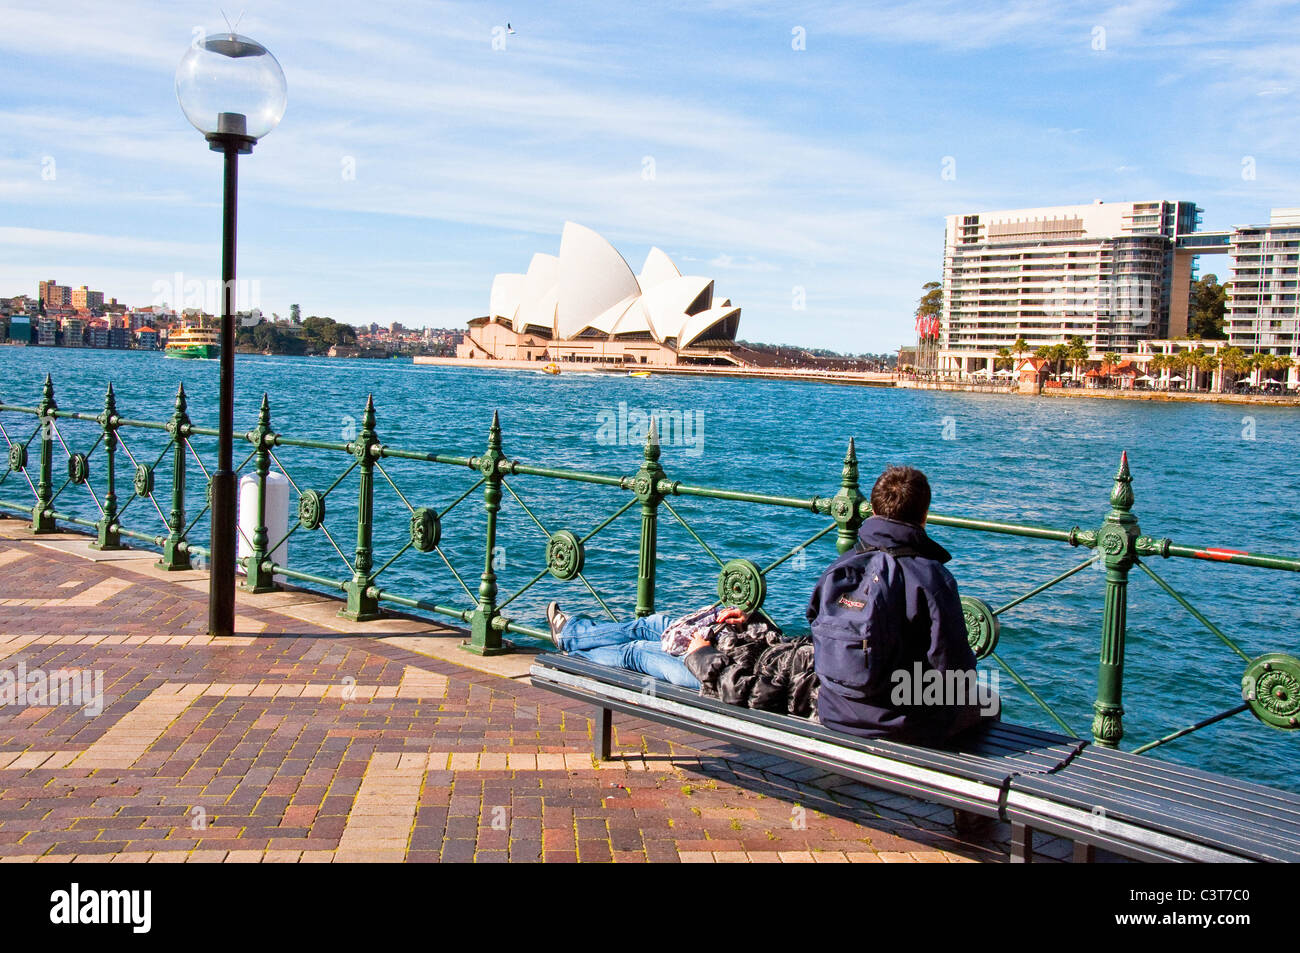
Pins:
<point x="1153" y="810"/>
<point x="973" y="777"/>
<point x="1038" y="781"/>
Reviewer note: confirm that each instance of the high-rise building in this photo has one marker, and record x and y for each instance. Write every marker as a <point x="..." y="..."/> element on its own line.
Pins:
<point x="1105" y="272"/>
<point x="1263" y="311"/>
<point x="83" y="299"/>
<point x="55" y="295"/>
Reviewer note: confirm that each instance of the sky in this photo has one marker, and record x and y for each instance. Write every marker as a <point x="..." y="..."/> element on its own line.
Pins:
<point x="802" y="155"/>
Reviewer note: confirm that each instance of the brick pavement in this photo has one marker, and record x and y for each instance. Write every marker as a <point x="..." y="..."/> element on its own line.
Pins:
<point x="307" y="738"/>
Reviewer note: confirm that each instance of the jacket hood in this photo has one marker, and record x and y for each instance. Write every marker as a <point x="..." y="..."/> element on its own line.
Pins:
<point x="879" y="532"/>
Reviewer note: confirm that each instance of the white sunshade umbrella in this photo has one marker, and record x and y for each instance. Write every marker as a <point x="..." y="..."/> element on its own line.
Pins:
<point x="1146" y="377"/>
<point x="1175" y="379"/>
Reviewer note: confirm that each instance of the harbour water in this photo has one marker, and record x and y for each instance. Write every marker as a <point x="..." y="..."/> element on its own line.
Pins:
<point x="1202" y="474"/>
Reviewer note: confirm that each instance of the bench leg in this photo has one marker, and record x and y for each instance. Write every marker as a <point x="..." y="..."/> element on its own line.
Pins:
<point x="602" y="733"/>
<point x="1022" y="844"/>
<point x="1083" y="853"/>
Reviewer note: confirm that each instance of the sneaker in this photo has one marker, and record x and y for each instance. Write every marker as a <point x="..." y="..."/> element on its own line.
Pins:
<point x="558" y="620"/>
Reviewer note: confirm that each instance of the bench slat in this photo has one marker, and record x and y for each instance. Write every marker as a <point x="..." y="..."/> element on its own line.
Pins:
<point x="1163" y="814"/>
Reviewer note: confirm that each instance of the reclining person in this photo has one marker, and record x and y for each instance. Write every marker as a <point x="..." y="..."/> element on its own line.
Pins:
<point x="653" y="645"/>
<point x="886" y="616"/>
<point x="718" y="651"/>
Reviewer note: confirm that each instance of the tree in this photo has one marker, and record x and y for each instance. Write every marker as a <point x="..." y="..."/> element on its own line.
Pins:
<point x="1232" y="360"/>
<point x="1003" y="360"/>
<point x="1020" y="348"/>
<point x="931" y="305"/>
<point x="293" y="313"/>
<point x="1076" y="352"/>
<point x="1209" y="303"/>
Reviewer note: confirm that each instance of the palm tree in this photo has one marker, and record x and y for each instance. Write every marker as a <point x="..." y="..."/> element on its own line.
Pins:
<point x="1232" y="360"/>
<point x="1109" y="361"/>
<point x="1003" y="360"/>
<point x="1019" y="349"/>
<point x="1076" y="352"/>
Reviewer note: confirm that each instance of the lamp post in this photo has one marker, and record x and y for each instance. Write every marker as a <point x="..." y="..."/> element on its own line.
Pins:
<point x="232" y="90"/>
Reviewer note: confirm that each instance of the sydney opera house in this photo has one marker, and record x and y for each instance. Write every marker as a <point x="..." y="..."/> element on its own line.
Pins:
<point x="587" y="306"/>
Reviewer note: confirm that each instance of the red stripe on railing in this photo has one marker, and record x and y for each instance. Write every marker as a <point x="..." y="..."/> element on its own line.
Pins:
<point x="1219" y="553"/>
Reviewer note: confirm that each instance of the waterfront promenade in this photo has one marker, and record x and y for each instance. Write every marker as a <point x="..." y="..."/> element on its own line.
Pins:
<point x="308" y="738"/>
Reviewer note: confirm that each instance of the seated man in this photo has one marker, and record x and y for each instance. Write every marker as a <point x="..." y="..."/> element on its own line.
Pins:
<point x="889" y="634"/>
<point x="653" y="645"/>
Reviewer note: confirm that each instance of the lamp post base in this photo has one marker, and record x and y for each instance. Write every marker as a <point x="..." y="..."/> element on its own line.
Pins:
<point x="221" y="583"/>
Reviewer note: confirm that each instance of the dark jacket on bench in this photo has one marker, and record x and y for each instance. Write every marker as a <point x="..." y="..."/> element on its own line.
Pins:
<point x="916" y="626"/>
<point x="758" y="668"/>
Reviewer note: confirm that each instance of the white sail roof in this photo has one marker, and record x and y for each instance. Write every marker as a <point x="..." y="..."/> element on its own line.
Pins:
<point x="593" y="278"/>
<point x="590" y="286"/>
<point x="658" y="267"/>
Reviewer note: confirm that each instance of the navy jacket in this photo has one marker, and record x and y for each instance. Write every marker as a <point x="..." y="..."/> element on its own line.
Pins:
<point x="909" y="621"/>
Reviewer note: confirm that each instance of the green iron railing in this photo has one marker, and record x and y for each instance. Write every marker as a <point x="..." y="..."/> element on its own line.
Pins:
<point x="1270" y="682"/>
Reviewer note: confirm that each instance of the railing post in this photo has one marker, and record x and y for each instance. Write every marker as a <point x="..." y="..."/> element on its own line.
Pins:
<point x="42" y="520"/>
<point x="175" y="556"/>
<point x="107" y="530"/>
<point x="257" y="578"/>
<point x="1116" y="541"/>
<point x="846" y="505"/>
<point x="484" y="638"/>
<point x="646" y="485"/>
<point x="362" y="606"/>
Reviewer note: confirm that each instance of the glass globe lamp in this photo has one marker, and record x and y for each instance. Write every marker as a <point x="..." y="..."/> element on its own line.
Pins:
<point x="231" y="89"/>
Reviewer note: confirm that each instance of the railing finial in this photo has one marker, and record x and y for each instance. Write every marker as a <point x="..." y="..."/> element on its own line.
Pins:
<point x="1121" y="495"/>
<point x="181" y="403"/>
<point x="264" y="413"/>
<point x="652" y="449"/>
<point x="846" y="506"/>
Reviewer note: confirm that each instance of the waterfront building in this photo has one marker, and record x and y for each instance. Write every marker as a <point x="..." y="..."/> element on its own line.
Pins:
<point x="20" y="329"/>
<point x="1263" y="311"/>
<point x="47" y="331"/>
<point x="586" y="305"/>
<point x="1110" y="273"/>
<point x="74" y="331"/>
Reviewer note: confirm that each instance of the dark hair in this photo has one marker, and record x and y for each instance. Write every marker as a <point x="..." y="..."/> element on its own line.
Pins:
<point x="902" y="494"/>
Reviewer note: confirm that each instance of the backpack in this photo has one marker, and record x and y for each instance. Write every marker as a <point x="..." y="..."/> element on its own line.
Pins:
<point x="857" y="616"/>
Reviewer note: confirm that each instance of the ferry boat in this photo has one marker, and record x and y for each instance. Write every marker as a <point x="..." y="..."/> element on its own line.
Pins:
<point x="202" y="343"/>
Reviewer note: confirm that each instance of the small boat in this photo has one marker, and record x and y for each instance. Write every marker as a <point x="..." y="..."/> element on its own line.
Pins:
<point x="201" y="343"/>
<point x="638" y="373"/>
<point x="551" y="369"/>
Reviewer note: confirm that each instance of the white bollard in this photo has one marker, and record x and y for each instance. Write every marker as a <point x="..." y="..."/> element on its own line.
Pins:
<point x="277" y="517"/>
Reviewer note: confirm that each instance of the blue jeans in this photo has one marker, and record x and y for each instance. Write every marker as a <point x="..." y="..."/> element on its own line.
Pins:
<point x="633" y="645"/>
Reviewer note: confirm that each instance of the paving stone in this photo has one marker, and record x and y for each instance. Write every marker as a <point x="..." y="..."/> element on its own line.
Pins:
<point x="310" y="739"/>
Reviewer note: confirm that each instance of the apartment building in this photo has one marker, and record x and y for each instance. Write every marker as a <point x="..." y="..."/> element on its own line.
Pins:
<point x="55" y="295"/>
<point x="1263" y="310"/>
<point x="1105" y="272"/>
<point x="83" y="299"/>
